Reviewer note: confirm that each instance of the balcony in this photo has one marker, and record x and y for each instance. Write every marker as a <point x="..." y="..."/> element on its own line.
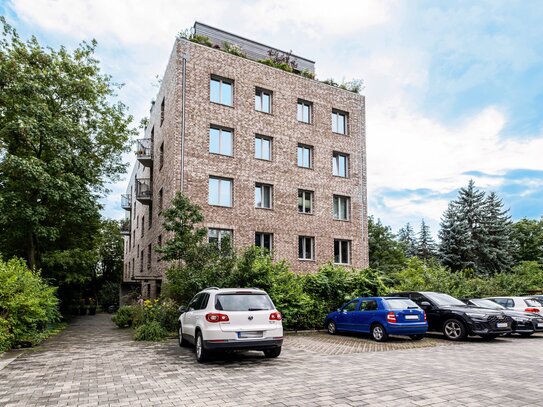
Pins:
<point x="144" y="151"/>
<point x="144" y="191"/>
<point x="126" y="202"/>
<point x="125" y="227"/>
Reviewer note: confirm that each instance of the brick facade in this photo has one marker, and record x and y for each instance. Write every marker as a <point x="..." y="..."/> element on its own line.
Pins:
<point x="188" y="161"/>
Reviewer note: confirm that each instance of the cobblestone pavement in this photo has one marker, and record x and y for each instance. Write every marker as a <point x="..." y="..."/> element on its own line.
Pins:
<point x="94" y="363"/>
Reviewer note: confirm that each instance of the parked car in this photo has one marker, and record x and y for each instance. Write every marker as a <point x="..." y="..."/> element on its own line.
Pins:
<point x="526" y="304"/>
<point x="231" y="319"/>
<point x="457" y="320"/>
<point x="524" y="323"/>
<point x="380" y="317"/>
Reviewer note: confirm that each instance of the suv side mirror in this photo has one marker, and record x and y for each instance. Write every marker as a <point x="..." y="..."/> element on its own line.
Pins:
<point x="425" y="304"/>
<point x="182" y="309"/>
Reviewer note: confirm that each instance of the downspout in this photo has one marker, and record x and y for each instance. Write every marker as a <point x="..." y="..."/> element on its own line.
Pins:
<point x="183" y="101"/>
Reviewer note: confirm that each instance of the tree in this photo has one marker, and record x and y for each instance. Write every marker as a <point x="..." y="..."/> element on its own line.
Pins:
<point x="528" y="237"/>
<point x="426" y="246"/>
<point x="498" y="249"/>
<point x="386" y="253"/>
<point x="61" y="140"/>
<point x="406" y="236"/>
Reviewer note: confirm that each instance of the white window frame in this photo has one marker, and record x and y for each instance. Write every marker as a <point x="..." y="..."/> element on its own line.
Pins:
<point x="262" y="188"/>
<point x="220" y="181"/>
<point x="221" y="81"/>
<point x="339" y="258"/>
<point x="221" y="130"/>
<point x="338" y="199"/>
<point x="220" y="234"/>
<point x="303" y="192"/>
<point x="303" y="148"/>
<point x="336" y="114"/>
<point x="259" y="100"/>
<point x="258" y="149"/>
<point x="300" y="111"/>
<point x="302" y="243"/>
<point x="336" y="167"/>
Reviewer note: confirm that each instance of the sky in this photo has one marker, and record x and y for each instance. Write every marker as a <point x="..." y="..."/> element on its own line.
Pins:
<point x="454" y="89"/>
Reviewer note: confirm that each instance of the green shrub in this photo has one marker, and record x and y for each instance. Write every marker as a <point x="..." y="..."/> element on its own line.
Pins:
<point x="125" y="316"/>
<point x="150" y="331"/>
<point x="233" y="49"/>
<point x="28" y="305"/>
<point x="169" y="315"/>
<point x="282" y="65"/>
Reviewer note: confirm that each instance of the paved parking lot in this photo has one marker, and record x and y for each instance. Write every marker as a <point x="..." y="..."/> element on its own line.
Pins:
<point x="94" y="363"/>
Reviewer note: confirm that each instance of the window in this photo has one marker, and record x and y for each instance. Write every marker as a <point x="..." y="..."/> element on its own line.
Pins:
<point x="134" y="210"/>
<point x="339" y="122"/>
<point x="159" y="244"/>
<point x="342" y="251"/>
<point x="263" y="146"/>
<point x="160" y="200"/>
<point x="221" y="91"/>
<point x="150" y="216"/>
<point x="263" y="196"/>
<point x="263" y="100"/>
<point x="162" y="105"/>
<point x="220" y="141"/>
<point x="304" y="111"/>
<point x="350" y="307"/>
<point x="141" y="262"/>
<point x="264" y="240"/>
<point x="133" y="238"/>
<point x="369" y="305"/>
<point x="220" y="191"/>
<point x="161" y="156"/>
<point x="142" y="226"/>
<point x="305" y="201"/>
<point x="199" y="302"/>
<point x="153" y="133"/>
<point x="306" y="247"/>
<point x="341" y="207"/>
<point x="305" y="156"/>
<point x="340" y="165"/>
<point x="149" y="254"/>
<point x="218" y="235"/>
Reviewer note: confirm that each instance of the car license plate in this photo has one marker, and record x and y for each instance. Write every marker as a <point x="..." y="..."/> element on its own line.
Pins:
<point x="540" y="324"/>
<point x="250" y="334"/>
<point x="502" y="325"/>
<point x="412" y="317"/>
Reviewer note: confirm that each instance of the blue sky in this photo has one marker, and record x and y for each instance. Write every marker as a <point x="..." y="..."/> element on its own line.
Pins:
<point x="454" y="89"/>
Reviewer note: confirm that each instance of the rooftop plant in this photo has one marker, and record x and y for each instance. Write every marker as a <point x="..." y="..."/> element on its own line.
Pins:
<point x="354" y="85"/>
<point x="233" y="49"/>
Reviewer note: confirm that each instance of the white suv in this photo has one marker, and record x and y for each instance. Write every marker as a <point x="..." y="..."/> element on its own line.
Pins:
<point x="231" y="319"/>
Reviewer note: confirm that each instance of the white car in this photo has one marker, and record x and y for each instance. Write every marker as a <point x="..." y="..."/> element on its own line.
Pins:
<point x="524" y="304"/>
<point x="231" y="319"/>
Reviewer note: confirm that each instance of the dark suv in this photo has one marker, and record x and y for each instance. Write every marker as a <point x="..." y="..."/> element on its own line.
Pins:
<point x="457" y="320"/>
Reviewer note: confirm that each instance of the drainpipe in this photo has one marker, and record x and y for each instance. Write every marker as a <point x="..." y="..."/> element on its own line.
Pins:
<point x="183" y="101"/>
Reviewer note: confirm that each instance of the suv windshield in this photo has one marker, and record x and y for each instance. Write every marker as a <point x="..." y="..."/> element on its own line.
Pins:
<point x="443" y="299"/>
<point x="487" y="304"/>
<point x="243" y="302"/>
<point x="401" y="304"/>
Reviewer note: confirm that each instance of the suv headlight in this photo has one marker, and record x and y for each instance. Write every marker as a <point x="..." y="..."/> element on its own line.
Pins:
<point x="520" y="319"/>
<point x="476" y="315"/>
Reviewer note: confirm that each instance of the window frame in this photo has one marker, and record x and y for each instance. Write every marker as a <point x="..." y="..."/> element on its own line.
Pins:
<point x="303" y="148"/>
<point x="303" y="103"/>
<point x="262" y="245"/>
<point x="303" y="241"/>
<point x="340" y="253"/>
<point x="345" y="115"/>
<point x="303" y="192"/>
<point x="221" y="129"/>
<point x="221" y="232"/>
<point x="220" y="180"/>
<point x="347" y="207"/>
<point x="263" y="187"/>
<point x="221" y="80"/>
<point x="264" y="138"/>
<point x="263" y="92"/>
<point x="336" y="155"/>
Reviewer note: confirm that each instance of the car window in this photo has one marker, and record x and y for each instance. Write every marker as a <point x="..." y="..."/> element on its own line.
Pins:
<point x="369" y="305"/>
<point x="350" y="306"/>
<point x="195" y="303"/>
<point x="510" y="303"/>
<point x="531" y="302"/>
<point x="401" y="304"/>
<point x="500" y="301"/>
<point x="418" y="298"/>
<point x="203" y="303"/>
<point x="243" y="302"/>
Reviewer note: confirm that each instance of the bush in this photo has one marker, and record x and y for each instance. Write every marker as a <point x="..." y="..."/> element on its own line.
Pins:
<point x="29" y="305"/>
<point x="109" y="295"/>
<point x="128" y="316"/>
<point x="150" y="331"/>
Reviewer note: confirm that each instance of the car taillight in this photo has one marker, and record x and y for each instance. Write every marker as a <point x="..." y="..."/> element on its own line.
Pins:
<point x="536" y="310"/>
<point x="275" y="316"/>
<point x="424" y="315"/>
<point x="214" y="317"/>
<point x="391" y="317"/>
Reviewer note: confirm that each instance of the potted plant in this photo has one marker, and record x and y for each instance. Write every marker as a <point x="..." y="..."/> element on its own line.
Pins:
<point x="92" y="306"/>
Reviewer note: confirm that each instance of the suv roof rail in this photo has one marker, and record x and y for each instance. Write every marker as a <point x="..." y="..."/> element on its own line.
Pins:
<point x="255" y="288"/>
<point x="212" y="288"/>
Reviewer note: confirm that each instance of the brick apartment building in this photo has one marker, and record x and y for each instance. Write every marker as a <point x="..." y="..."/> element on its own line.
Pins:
<point x="273" y="158"/>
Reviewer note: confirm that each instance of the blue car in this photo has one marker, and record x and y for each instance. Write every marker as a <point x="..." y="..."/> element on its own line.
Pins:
<point x="380" y="317"/>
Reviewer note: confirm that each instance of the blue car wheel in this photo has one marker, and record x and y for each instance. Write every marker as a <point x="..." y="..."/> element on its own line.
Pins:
<point x="379" y="333"/>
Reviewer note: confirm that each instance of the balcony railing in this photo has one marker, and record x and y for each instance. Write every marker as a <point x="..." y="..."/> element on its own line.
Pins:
<point x="126" y="202"/>
<point x="144" y="191"/>
<point x="144" y="151"/>
<point x="125" y="227"/>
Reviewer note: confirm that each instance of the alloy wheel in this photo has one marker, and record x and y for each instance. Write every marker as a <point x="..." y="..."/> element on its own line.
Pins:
<point x="378" y="333"/>
<point x="331" y="327"/>
<point x="199" y="347"/>
<point x="453" y="329"/>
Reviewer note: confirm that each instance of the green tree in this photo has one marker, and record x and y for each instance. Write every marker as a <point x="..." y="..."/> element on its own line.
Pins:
<point x="61" y="141"/>
<point x="498" y="244"/>
<point x="386" y="253"/>
<point x="406" y="236"/>
<point x="528" y="237"/>
<point x="426" y="246"/>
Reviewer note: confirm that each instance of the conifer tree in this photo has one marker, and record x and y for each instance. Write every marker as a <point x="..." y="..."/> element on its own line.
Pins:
<point x="406" y="236"/>
<point x="426" y="246"/>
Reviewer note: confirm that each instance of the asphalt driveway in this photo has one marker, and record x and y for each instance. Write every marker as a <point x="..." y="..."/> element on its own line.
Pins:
<point x="94" y="363"/>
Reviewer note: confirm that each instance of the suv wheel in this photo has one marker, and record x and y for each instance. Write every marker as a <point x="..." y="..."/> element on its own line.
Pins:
<point x="182" y="341"/>
<point x="202" y="354"/>
<point x="454" y="330"/>
<point x="331" y="327"/>
<point x="272" y="353"/>
<point x="378" y="333"/>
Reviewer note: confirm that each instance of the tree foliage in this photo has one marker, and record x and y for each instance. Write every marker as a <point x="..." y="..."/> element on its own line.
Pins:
<point x="528" y="237"/>
<point x="406" y="236"/>
<point x="386" y="253"/>
<point x="426" y="248"/>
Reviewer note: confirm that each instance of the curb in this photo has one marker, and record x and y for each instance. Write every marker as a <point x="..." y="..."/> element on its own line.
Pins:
<point x="304" y="331"/>
<point x="7" y="357"/>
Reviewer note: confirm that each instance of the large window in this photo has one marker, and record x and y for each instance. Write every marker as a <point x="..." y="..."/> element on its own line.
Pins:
<point x="220" y="141"/>
<point x="219" y="236"/>
<point x="305" y="201"/>
<point x="263" y="100"/>
<point x="161" y="156"/>
<point x="340" y="165"/>
<point x="162" y="107"/>
<point x="221" y="91"/>
<point x="220" y="191"/>
<point x="339" y="122"/>
<point x="305" y="156"/>
<point x="263" y="196"/>
<point x="304" y="112"/>
<point x="264" y="240"/>
<point x="342" y="251"/>
<point x="341" y="207"/>
<point x="149" y="256"/>
<point x="263" y="147"/>
<point x="306" y="248"/>
<point x="160" y="200"/>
